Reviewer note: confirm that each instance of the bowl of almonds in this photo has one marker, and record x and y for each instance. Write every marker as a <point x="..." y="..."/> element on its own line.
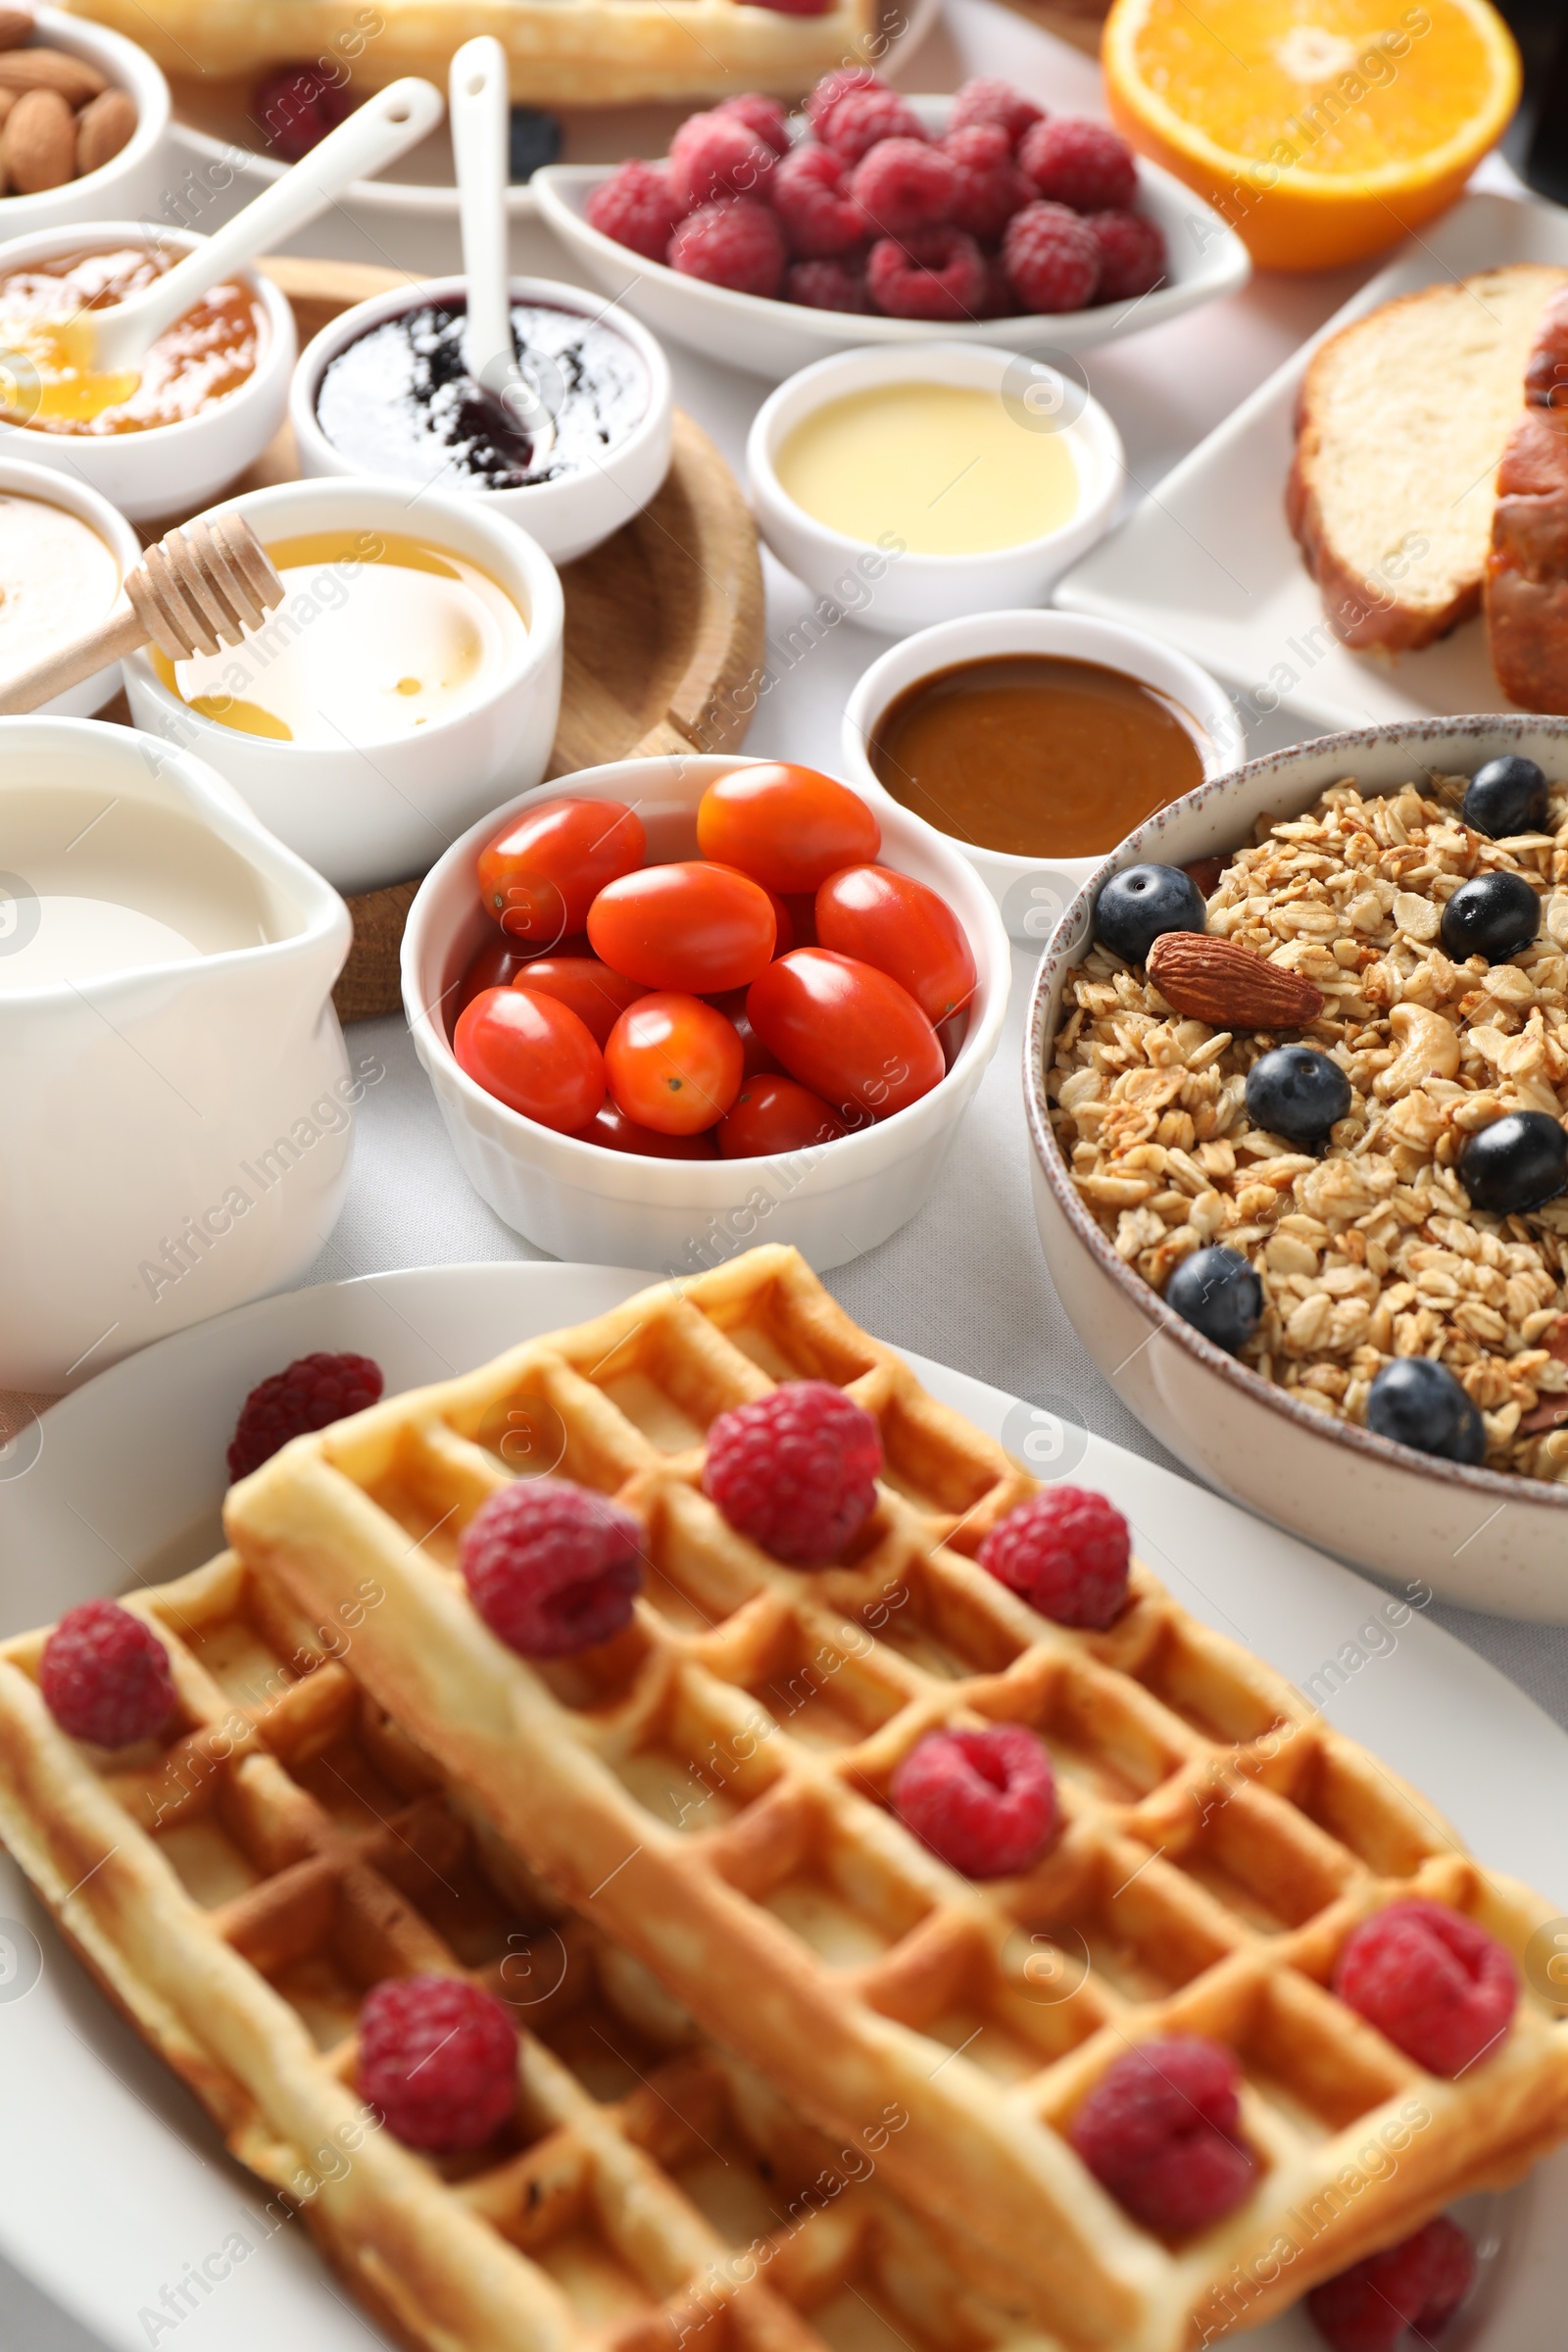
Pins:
<point x="84" y="123"/>
<point x="1296" y="1079"/>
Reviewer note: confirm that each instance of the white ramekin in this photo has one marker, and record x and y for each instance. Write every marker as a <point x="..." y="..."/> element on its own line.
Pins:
<point x="366" y="818"/>
<point x="913" y="591"/>
<point x="580" y="1200"/>
<point x="1033" y="891"/>
<point x="136" y="181"/>
<point x="75" y="497"/>
<point x="567" y="516"/>
<point x="170" y="469"/>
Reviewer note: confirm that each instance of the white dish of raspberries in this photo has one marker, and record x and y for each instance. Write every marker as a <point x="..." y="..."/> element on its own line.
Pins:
<point x="768" y="242"/>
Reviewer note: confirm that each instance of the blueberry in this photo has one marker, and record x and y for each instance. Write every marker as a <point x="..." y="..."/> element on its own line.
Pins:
<point x="1140" y="903"/>
<point x="533" y="137"/>
<point x="1217" y="1292"/>
<point x="1420" y="1403"/>
<point x="1515" y="1163"/>
<point x="1492" y="915"/>
<point x="1297" y="1092"/>
<point x="1506" y="796"/>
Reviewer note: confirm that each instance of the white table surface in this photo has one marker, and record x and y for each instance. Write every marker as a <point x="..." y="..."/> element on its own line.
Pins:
<point x="963" y="1282"/>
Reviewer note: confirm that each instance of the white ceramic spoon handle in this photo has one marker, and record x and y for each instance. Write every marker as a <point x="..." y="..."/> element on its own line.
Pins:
<point x="478" y="104"/>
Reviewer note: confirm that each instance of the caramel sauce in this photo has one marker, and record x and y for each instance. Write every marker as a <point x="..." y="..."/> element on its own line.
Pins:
<point x="1034" y="755"/>
<point x="205" y="356"/>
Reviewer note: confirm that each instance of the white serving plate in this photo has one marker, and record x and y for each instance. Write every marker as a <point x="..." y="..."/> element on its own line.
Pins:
<point x="111" y="2183"/>
<point x="1210" y="563"/>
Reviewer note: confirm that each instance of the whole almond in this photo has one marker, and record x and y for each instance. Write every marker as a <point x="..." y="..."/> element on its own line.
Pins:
<point x="38" y="144"/>
<point x="103" y="128"/>
<point x="71" y="77"/>
<point x="1218" y="981"/>
<point x="16" y="27"/>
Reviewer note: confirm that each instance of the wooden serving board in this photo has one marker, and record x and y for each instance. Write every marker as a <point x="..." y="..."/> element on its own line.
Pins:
<point x="663" y="624"/>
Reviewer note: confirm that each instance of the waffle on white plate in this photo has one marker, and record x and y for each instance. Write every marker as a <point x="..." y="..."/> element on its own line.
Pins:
<point x="710" y="1790"/>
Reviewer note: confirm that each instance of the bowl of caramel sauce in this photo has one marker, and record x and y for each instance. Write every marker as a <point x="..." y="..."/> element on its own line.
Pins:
<point x="1035" y="742"/>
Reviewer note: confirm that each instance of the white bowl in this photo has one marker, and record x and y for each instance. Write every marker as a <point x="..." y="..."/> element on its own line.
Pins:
<point x="910" y="590"/>
<point x="773" y="338"/>
<point x="177" y="1132"/>
<point x="170" y="469"/>
<point x="75" y="497"/>
<point x="1033" y="891"/>
<point x="367" y="817"/>
<point x="581" y="1201"/>
<point x="136" y="181"/>
<point x="567" y="516"/>
<point x="1484" y="1539"/>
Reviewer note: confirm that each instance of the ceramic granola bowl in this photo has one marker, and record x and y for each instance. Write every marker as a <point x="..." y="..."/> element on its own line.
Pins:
<point x="1486" y="1539"/>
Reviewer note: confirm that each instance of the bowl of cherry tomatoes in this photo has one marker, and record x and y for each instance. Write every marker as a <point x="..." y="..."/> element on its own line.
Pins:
<point x="673" y="1006"/>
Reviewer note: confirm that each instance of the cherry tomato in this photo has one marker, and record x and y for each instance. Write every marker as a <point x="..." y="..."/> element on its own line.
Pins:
<point x="597" y="995"/>
<point x="542" y="872"/>
<point x="788" y="826"/>
<point x="673" y="1064"/>
<point x="496" y="965"/>
<point x="775" y="1114"/>
<point x="693" y="927"/>
<point x="534" y="1055"/>
<point x="783" y="920"/>
<point x="802" y="905"/>
<point x="905" y="929"/>
<point x="951" y="1033"/>
<point x="611" y="1129"/>
<point x="847" y="1031"/>
<point x="754" y="1054"/>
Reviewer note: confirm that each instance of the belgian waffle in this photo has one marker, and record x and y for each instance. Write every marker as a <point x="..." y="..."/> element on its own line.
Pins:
<point x="710" y="1790"/>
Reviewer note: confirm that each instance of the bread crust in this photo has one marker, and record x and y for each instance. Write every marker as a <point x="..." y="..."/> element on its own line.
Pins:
<point x="1527" y="571"/>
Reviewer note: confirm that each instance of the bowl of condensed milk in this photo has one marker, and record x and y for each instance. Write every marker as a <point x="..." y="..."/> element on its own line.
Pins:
<point x="64" y="553"/>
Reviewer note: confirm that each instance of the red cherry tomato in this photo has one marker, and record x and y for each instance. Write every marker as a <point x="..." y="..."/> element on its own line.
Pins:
<point x="905" y="929"/>
<point x="597" y="995"/>
<point x="783" y="920"/>
<point x="756" y="1056"/>
<point x="692" y="927"/>
<point x="496" y="965"/>
<point x="775" y="1114"/>
<point x="847" y="1031"/>
<point x="542" y="872"/>
<point x="612" y="1128"/>
<point x="788" y="826"/>
<point x="673" y="1064"/>
<point x="534" y="1055"/>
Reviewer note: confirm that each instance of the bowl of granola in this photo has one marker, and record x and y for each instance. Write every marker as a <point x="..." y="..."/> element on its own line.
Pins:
<point x="1299" y="1109"/>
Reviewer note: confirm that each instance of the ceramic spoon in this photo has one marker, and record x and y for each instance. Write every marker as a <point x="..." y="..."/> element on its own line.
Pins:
<point x="478" y="100"/>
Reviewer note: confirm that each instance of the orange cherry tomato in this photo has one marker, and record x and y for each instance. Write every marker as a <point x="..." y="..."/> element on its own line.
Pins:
<point x="905" y="929"/>
<point x="496" y="965"/>
<point x="534" y="1055"/>
<point x="775" y="1114"/>
<point x="847" y="1031"/>
<point x="754" y="1054"/>
<point x="611" y="1128"/>
<point x="692" y="927"/>
<point x="542" y="872"/>
<point x="789" y="827"/>
<point x="673" y="1064"/>
<point x="597" y="995"/>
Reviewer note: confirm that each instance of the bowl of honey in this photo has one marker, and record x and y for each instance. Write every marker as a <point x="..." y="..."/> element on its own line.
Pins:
<point x="1035" y="742"/>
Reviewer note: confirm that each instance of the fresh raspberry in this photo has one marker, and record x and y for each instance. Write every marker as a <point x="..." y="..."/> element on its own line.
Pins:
<point x="863" y="118"/>
<point x="1158" y="2131"/>
<point x="1419" y="2284"/>
<point x="713" y="156"/>
<point x="551" y="1568"/>
<point x="937" y="273"/>
<point x="811" y="194"/>
<point x="104" y="1677"/>
<point x="990" y="187"/>
<point x="309" y="1393"/>
<point x="1052" y="258"/>
<point x="795" y="1471"/>
<point x="1433" y="1983"/>
<point x="1066" y="1552"/>
<point x="637" y="207"/>
<point x="905" y="184"/>
<point x="1132" y="254"/>
<point x="738" y="245"/>
<point x="984" y="1801"/>
<point x="999" y="300"/>
<point x="998" y="104"/>
<point x="1074" y="161"/>
<point x="835" y="284"/>
<point x="438" y="2061"/>
<point x="764" y="115"/>
<point x="296" y="107"/>
<point x="821" y="101"/>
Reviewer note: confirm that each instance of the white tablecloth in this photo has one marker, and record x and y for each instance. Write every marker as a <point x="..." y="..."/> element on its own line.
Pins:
<point x="964" y="1281"/>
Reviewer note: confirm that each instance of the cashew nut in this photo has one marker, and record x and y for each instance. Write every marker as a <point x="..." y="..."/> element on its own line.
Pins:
<point x="1430" y="1049"/>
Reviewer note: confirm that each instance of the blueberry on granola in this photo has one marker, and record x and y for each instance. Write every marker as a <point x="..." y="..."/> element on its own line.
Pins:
<point x="1492" y="915"/>
<point x="1505" y="796"/>
<point x="1517" y="1162"/>
<point x="1217" y="1292"/>
<point x="1420" y="1403"/>
<point x="1140" y="903"/>
<point x="1297" y="1093"/>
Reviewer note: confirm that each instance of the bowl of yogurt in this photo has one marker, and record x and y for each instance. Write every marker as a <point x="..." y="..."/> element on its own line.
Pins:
<point x="63" y="554"/>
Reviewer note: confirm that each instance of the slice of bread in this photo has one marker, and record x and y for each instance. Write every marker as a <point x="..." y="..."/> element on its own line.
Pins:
<point x="1527" y="572"/>
<point x="1401" y="427"/>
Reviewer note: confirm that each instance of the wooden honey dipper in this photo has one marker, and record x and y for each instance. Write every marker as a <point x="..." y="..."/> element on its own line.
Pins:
<point x="194" y="592"/>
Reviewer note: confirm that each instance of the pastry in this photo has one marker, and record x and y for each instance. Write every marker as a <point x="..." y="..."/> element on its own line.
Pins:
<point x="1527" y="571"/>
